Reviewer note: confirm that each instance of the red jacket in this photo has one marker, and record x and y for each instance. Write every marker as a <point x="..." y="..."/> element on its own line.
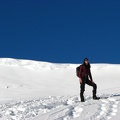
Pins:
<point x="85" y="72"/>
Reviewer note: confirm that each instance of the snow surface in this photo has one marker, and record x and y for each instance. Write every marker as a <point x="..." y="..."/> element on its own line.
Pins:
<point x="33" y="90"/>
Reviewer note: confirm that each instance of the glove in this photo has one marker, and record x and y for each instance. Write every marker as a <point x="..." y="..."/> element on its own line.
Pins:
<point x="80" y="81"/>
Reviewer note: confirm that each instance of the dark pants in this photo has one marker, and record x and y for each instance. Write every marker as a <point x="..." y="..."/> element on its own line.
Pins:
<point x="82" y="87"/>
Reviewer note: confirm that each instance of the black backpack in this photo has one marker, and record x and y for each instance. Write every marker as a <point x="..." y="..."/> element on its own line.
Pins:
<point x="77" y="71"/>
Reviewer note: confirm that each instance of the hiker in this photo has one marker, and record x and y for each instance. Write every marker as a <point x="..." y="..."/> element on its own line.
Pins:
<point x="86" y="78"/>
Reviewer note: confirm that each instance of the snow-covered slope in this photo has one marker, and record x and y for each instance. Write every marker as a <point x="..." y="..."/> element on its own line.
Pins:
<point x="50" y="91"/>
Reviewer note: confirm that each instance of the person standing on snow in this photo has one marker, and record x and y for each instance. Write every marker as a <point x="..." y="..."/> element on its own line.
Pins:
<point x="86" y="78"/>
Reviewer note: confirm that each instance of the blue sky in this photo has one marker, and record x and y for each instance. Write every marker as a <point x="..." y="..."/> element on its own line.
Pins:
<point x="60" y="31"/>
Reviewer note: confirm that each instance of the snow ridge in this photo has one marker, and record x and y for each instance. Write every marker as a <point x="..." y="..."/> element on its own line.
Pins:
<point x="35" y="65"/>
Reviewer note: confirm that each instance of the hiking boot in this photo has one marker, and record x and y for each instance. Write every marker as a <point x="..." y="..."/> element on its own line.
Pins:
<point x="82" y="100"/>
<point x="96" y="98"/>
<point x="82" y="97"/>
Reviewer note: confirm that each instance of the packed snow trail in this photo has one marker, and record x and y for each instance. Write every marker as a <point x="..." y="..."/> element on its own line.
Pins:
<point x="62" y="108"/>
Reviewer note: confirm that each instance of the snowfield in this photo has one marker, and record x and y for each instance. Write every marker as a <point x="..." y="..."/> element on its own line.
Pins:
<point x="33" y="90"/>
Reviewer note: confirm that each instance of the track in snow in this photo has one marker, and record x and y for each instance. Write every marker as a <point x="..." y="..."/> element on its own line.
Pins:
<point x="62" y="108"/>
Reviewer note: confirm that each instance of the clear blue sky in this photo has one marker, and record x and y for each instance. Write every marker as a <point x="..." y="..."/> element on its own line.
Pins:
<point x="60" y="31"/>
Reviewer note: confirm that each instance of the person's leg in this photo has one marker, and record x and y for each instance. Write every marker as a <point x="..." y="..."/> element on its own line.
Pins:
<point x="94" y="87"/>
<point x="82" y="89"/>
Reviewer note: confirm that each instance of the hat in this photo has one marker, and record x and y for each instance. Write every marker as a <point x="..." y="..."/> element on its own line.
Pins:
<point x="86" y="59"/>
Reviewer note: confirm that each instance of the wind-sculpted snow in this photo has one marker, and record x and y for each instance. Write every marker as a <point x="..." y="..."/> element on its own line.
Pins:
<point x="38" y="65"/>
<point x="35" y="65"/>
<point x="62" y="108"/>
